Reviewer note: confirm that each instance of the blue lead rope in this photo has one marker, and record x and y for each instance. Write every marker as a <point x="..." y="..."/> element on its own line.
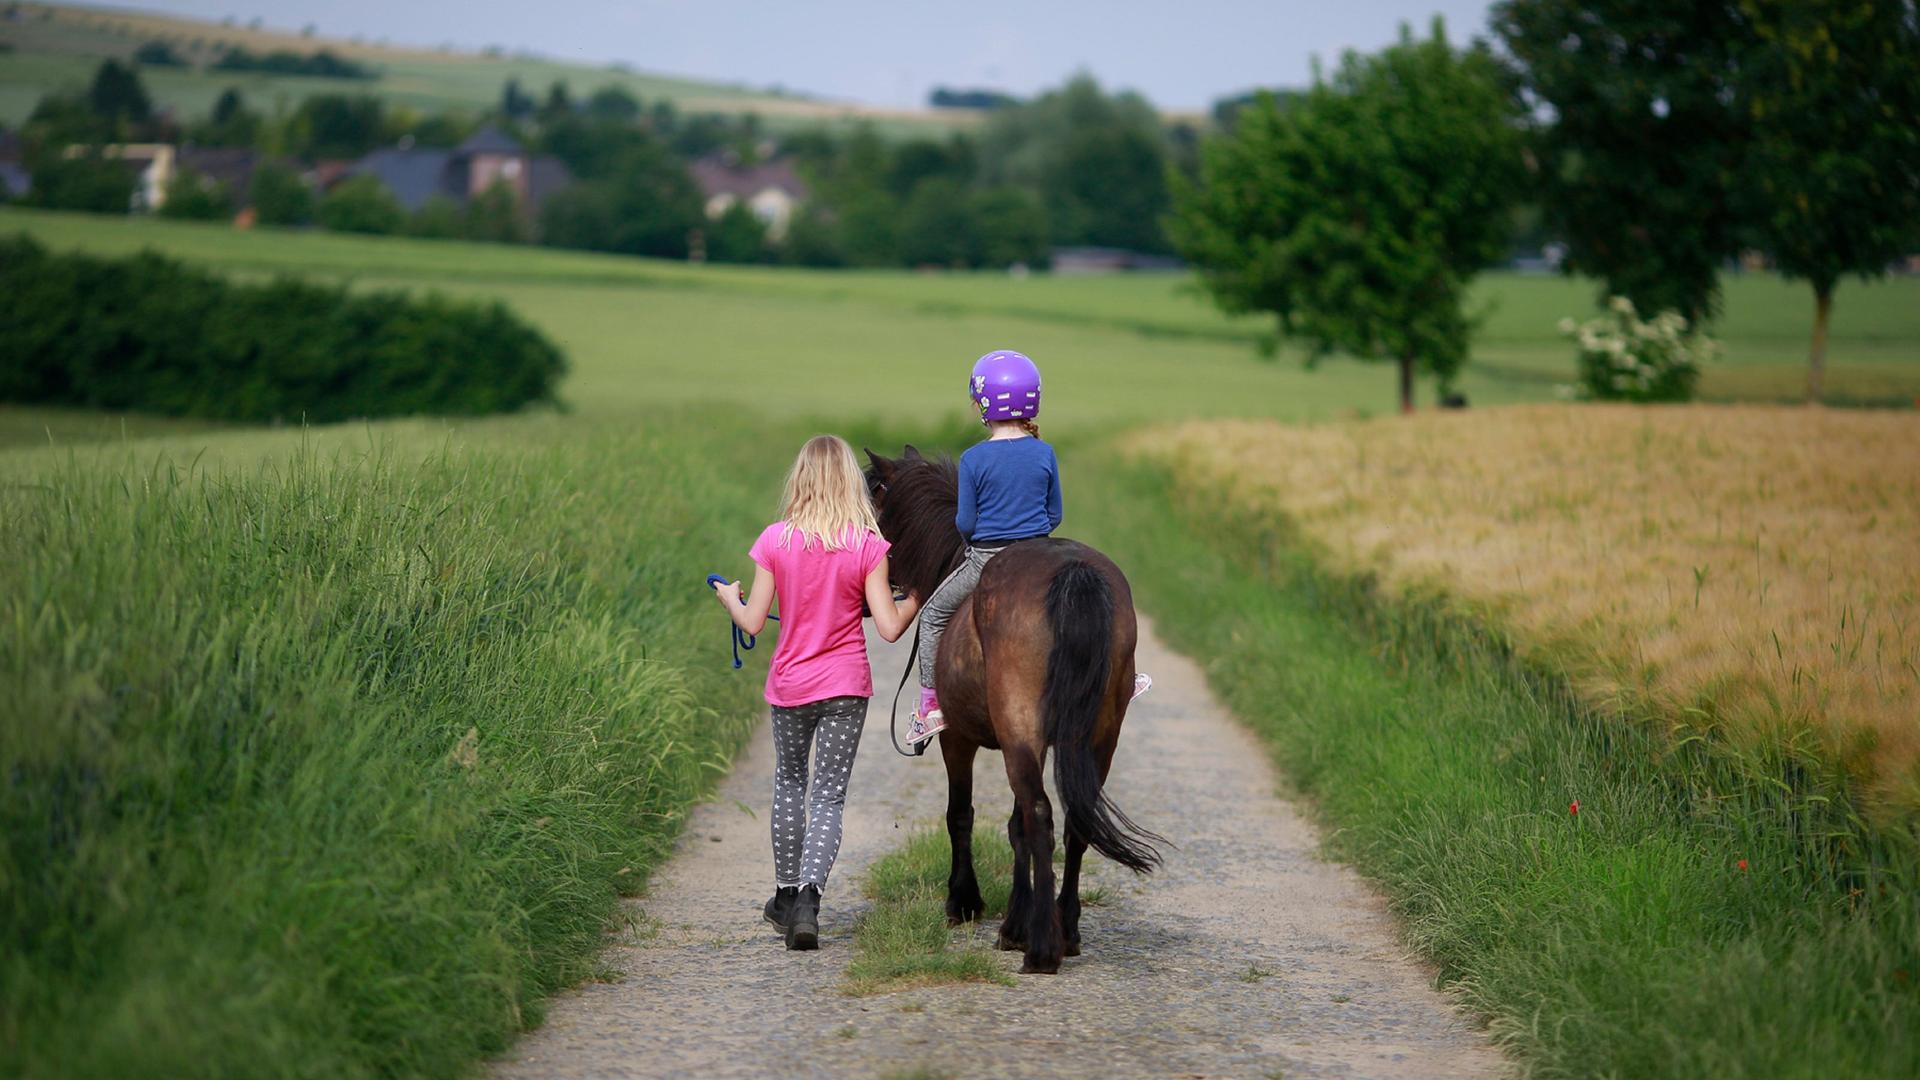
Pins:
<point x="742" y="641"/>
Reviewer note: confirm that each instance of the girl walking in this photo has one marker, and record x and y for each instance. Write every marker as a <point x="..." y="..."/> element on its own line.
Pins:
<point x="1009" y="491"/>
<point x="822" y="559"/>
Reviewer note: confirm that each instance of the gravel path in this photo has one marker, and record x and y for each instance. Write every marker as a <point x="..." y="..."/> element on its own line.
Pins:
<point x="1245" y="956"/>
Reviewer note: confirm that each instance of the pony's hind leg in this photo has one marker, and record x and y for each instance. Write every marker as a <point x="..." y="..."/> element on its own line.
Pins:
<point x="1070" y="895"/>
<point x="963" y="889"/>
<point x="1013" y="929"/>
<point x="1041" y="914"/>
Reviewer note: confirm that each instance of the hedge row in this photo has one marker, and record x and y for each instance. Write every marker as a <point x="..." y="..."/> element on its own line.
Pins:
<point x="149" y="334"/>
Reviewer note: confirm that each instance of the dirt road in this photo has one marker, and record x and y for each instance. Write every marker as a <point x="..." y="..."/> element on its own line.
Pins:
<point x="1245" y="956"/>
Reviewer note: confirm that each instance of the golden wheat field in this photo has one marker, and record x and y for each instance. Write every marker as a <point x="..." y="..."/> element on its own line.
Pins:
<point x="1755" y="568"/>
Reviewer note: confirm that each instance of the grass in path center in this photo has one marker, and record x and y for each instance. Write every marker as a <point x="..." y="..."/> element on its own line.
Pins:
<point x="904" y="941"/>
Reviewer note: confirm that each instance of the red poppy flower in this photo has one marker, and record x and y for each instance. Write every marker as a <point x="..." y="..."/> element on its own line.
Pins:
<point x="1742" y="864"/>
<point x="1574" y="808"/>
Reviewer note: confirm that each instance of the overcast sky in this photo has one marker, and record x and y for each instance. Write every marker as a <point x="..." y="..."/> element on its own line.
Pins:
<point x="1182" y="54"/>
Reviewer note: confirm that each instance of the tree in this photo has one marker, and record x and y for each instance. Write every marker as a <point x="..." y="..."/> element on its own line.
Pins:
<point x="613" y="103"/>
<point x="118" y="97"/>
<point x="62" y="120"/>
<point x="1358" y="215"/>
<point x="1640" y="140"/>
<point x="515" y="103"/>
<point x="937" y="225"/>
<point x="337" y="126"/>
<point x="438" y="218"/>
<point x="280" y="197"/>
<point x="559" y="103"/>
<point x="813" y="239"/>
<point x="361" y="204"/>
<point x="230" y="124"/>
<point x="869" y="220"/>
<point x="736" y="236"/>
<point x="89" y="182"/>
<point x="494" y="216"/>
<point x="1108" y="186"/>
<point x="1833" y="172"/>
<point x="925" y="159"/>
<point x="647" y="205"/>
<point x="1097" y="162"/>
<point x="1010" y="226"/>
<point x="157" y="54"/>
<point x="193" y="197"/>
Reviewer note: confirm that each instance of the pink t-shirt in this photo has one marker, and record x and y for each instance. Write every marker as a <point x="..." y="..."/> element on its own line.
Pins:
<point x="823" y="649"/>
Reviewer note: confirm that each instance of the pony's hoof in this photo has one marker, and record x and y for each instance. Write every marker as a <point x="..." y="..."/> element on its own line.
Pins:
<point x="1040" y="966"/>
<point x="1008" y="944"/>
<point x="1073" y="948"/>
<point x="964" y="913"/>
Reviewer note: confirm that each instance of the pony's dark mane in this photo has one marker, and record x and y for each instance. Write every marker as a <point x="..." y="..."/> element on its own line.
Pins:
<point x="916" y="497"/>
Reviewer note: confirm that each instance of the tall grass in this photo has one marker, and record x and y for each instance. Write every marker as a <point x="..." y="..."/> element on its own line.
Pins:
<point x="335" y="766"/>
<point x="1687" y="920"/>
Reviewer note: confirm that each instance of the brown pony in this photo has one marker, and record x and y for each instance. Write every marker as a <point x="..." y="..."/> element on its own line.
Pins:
<point x="1040" y="656"/>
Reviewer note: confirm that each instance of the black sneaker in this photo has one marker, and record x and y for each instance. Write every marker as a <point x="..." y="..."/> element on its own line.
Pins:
<point x="803" y="933"/>
<point x="779" y="909"/>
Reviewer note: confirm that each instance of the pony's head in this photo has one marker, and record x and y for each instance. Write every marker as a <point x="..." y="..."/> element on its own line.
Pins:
<point x="914" y="498"/>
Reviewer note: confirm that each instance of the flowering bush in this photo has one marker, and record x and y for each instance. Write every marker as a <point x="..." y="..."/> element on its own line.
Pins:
<point x="1623" y="358"/>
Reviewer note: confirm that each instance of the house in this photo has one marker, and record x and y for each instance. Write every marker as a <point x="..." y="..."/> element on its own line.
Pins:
<point x="772" y="189"/>
<point x="151" y="164"/>
<point x="415" y="174"/>
<point x="231" y="166"/>
<point x="154" y="166"/>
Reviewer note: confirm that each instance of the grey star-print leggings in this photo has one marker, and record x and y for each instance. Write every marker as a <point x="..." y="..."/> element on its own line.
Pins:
<point x="806" y="822"/>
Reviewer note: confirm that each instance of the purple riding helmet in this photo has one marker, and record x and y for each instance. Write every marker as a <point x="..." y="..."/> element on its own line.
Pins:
<point x="1005" y="385"/>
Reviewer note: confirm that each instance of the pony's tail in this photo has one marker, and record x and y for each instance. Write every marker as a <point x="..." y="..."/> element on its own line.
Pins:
<point x="1080" y="614"/>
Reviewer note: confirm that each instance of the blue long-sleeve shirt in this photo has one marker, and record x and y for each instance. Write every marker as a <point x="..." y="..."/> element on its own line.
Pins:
<point x="1009" y="490"/>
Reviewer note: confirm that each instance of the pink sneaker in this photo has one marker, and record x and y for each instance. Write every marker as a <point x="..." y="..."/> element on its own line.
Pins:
<point x="927" y="720"/>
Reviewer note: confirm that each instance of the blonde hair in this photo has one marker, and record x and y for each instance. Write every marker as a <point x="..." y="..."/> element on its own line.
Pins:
<point x="826" y="497"/>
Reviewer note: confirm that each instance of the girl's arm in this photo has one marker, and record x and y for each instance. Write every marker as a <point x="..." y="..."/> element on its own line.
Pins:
<point x="1054" y="509"/>
<point x="751" y="616"/>
<point x="965" y="513"/>
<point x="889" y="618"/>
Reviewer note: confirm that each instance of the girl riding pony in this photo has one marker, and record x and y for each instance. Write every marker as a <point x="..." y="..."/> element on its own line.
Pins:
<point x="1009" y="492"/>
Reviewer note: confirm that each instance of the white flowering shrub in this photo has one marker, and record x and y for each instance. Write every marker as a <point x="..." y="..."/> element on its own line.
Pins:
<point x="1626" y="358"/>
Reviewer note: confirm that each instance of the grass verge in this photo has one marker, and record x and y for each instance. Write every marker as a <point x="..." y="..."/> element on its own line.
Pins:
<point x="1684" y="919"/>
<point x="904" y="941"/>
<point x="335" y="764"/>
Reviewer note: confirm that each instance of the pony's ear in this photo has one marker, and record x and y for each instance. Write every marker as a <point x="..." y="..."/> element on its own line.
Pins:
<point x="913" y="453"/>
<point x="882" y="468"/>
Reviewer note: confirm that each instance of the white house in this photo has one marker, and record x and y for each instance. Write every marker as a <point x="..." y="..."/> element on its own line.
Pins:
<point x="772" y="190"/>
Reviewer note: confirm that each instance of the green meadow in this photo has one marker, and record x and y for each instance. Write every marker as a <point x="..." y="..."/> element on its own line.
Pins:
<point x="868" y="344"/>
<point x="331" y="750"/>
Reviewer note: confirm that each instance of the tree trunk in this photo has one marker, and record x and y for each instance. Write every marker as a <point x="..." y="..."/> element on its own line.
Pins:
<point x="1817" y="361"/>
<point x="1406" y="384"/>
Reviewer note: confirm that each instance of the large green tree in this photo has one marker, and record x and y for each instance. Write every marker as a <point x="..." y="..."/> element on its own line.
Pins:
<point x="1358" y="213"/>
<point x="1832" y="177"/>
<point x="1640" y="139"/>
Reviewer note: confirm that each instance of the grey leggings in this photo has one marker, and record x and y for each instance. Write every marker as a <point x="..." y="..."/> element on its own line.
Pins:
<point x="806" y="823"/>
<point x="946" y="599"/>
